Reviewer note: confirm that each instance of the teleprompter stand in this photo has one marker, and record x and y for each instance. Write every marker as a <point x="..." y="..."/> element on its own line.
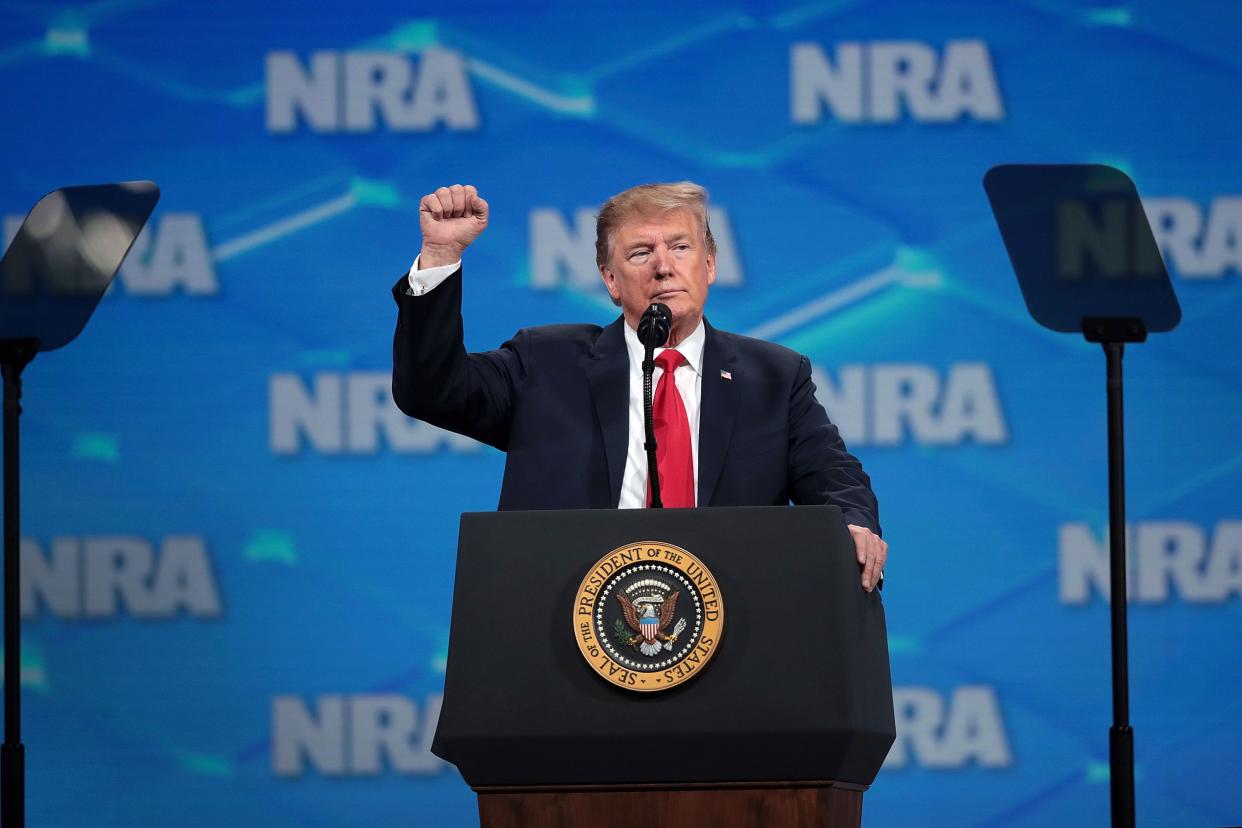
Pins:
<point x="52" y="276"/>
<point x="1087" y="263"/>
<point x="787" y="725"/>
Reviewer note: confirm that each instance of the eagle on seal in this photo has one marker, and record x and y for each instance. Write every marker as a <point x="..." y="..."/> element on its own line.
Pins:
<point x="648" y="626"/>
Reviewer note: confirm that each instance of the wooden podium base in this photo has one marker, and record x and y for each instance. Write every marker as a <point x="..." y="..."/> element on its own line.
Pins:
<point x="736" y="805"/>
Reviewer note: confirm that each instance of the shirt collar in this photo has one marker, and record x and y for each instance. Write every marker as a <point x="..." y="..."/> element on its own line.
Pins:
<point x="691" y="347"/>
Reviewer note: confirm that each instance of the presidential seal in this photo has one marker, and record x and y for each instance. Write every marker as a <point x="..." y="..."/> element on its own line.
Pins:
<point x="648" y="616"/>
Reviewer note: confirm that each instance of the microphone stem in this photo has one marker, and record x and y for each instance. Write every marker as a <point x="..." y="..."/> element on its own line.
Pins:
<point x="653" y="472"/>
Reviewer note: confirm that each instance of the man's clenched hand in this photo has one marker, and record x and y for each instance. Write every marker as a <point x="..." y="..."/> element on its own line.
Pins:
<point x="450" y="219"/>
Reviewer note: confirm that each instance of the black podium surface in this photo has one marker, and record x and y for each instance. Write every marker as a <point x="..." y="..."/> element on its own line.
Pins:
<point x="799" y="688"/>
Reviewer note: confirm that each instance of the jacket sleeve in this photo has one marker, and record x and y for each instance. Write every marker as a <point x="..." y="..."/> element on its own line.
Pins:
<point x="821" y="469"/>
<point x="435" y="380"/>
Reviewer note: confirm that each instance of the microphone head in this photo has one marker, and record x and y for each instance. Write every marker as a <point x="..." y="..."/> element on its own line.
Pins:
<point x="654" y="325"/>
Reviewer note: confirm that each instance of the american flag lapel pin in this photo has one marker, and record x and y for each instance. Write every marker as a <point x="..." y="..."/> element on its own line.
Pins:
<point x="725" y="375"/>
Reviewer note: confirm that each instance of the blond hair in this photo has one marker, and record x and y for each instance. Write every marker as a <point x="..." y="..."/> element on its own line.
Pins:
<point x="650" y="200"/>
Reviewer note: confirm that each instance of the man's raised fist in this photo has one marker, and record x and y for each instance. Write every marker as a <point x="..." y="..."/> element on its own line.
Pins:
<point x="450" y="219"/>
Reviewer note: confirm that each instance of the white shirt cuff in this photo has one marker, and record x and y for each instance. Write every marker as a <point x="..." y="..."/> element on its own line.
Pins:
<point x="422" y="281"/>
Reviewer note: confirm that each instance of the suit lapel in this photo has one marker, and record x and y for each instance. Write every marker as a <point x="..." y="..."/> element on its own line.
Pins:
<point x="722" y="387"/>
<point x="608" y="373"/>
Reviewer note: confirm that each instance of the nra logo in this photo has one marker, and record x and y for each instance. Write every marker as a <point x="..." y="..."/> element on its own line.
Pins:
<point x="948" y="731"/>
<point x="355" y="735"/>
<point x="892" y="404"/>
<point x="348" y="413"/>
<point x="1198" y="242"/>
<point x="169" y="256"/>
<point x="882" y="81"/>
<point x="108" y="576"/>
<point x="1166" y="560"/>
<point x="562" y="251"/>
<point x="361" y="91"/>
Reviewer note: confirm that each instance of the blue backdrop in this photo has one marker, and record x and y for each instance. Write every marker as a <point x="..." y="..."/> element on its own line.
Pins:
<point x="239" y="556"/>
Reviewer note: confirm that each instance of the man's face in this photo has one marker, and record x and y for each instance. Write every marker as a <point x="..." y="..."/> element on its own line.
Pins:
<point x="660" y="259"/>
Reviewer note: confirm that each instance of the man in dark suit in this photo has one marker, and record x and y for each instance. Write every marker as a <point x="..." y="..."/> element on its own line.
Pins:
<point x="737" y="419"/>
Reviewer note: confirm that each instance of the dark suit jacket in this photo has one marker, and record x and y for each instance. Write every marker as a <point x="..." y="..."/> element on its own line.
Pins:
<point x="556" y="398"/>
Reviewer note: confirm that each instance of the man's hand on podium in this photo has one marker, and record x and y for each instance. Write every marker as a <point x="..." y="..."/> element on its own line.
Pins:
<point x="872" y="553"/>
<point x="450" y="219"/>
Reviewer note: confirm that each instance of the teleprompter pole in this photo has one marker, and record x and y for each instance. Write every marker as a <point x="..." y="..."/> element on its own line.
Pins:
<point x="14" y="356"/>
<point x="1120" y="735"/>
<point x="52" y="276"/>
<point x="1115" y="294"/>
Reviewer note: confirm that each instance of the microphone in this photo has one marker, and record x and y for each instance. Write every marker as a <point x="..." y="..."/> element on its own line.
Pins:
<point x="654" y="325"/>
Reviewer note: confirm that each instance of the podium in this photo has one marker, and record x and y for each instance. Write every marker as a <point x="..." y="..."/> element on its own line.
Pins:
<point x="786" y="722"/>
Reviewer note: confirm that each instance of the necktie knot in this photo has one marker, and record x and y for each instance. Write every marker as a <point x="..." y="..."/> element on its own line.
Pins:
<point x="670" y="360"/>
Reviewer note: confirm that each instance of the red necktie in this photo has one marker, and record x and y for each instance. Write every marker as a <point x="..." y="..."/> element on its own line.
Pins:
<point x="672" y="433"/>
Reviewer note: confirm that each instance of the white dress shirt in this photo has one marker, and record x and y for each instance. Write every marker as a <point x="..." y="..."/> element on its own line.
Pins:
<point x="689" y="379"/>
<point x="422" y="281"/>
